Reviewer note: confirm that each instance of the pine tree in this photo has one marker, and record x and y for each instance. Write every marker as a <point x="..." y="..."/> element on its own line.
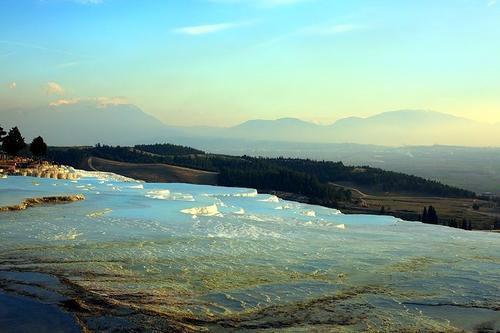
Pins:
<point x="2" y="133"/>
<point x="13" y="142"/>
<point x="424" y="215"/>
<point x="38" y="147"/>
<point x="432" y="216"/>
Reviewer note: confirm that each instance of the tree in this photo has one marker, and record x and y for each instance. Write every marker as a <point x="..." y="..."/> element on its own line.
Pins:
<point x="464" y="224"/>
<point x="424" y="215"/>
<point x="13" y="142"/>
<point x="2" y="133"/>
<point x="432" y="216"/>
<point x="382" y="210"/>
<point x="38" y="147"/>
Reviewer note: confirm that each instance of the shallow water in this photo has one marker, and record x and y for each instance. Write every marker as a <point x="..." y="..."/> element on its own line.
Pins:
<point x="235" y="260"/>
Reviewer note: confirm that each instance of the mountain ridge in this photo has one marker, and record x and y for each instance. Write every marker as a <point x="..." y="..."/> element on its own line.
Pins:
<point x="90" y="122"/>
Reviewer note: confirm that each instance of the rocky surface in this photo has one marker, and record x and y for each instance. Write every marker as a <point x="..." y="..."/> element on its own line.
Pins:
<point x="42" y="201"/>
<point x="47" y="171"/>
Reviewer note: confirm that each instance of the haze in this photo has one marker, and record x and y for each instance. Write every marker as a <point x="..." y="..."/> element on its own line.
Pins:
<point x="223" y="62"/>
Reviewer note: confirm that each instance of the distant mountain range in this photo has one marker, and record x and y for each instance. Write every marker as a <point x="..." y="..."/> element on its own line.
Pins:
<point x="87" y="123"/>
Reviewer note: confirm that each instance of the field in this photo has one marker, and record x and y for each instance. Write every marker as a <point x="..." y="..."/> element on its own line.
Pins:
<point x="410" y="207"/>
<point x="153" y="173"/>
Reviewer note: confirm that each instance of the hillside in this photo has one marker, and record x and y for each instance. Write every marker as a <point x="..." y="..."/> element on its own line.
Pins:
<point x="302" y="177"/>
<point x="154" y="173"/>
<point x="247" y="171"/>
<point x="359" y="190"/>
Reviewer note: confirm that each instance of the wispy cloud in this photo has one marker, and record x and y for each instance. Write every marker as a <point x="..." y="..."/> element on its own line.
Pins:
<point x="260" y="3"/>
<point x="68" y="64"/>
<point x="53" y="88"/>
<point x="81" y="2"/>
<point x="209" y="28"/>
<point x="61" y="102"/>
<point x="492" y="3"/>
<point x="100" y="102"/>
<point x="6" y="54"/>
<point x="40" y="47"/>
<point x="330" y="29"/>
<point x="316" y="30"/>
<point x="89" y="2"/>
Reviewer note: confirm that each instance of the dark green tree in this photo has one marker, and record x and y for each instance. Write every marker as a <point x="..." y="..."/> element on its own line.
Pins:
<point x="382" y="210"/>
<point x="13" y="142"/>
<point x="2" y="133"/>
<point x="464" y="224"/>
<point x="38" y="147"/>
<point x="432" y="216"/>
<point x="424" y="215"/>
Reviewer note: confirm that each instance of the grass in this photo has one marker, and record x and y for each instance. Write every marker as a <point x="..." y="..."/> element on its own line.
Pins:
<point x="157" y="173"/>
<point x="410" y="206"/>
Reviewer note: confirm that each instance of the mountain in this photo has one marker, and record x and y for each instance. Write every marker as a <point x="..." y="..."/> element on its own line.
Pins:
<point x="87" y="123"/>
<point x="284" y="129"/>
<point x="413" y="127"/>
<point x="405" y="127"/>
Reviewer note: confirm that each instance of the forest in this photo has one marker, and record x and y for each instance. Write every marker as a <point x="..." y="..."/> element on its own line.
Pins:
<point x="297" y="176"/>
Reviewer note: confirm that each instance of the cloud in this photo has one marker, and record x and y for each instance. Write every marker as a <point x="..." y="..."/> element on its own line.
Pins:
<point x="209" y="28"/>
<point x="12" y="85"/>
<point x="328" y="29"/>
<point x="260" y="3"/>
<point x="53" y="88"/>
<point x="68" y="64"/>
<point x="492" y="3"/>
<point x="89" y="2"/>
<point x="81" y="2"/>
<point x="61" y="102"/>
<point x="100" y="102"/>
<point x="38" y="47"/>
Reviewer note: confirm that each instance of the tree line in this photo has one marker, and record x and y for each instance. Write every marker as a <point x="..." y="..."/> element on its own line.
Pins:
<point x="233" y="171"/>
<point x="169" y="149"/>
<point x="298" y="176"/>
<point x="430" y="216"/>
<point x="13" y="143"/>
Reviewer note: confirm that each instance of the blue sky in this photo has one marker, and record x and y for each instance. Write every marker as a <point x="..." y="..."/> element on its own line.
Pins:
<point x="219" y="62"/>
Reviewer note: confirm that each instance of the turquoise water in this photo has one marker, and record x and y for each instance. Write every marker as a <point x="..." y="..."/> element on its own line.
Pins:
<point x="234" y="259"/>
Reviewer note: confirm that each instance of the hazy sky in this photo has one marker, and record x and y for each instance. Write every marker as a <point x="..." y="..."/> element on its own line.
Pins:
<point x="219" y="62"/>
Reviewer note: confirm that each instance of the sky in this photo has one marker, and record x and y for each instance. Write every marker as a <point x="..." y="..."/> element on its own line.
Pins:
<point x="221" y="62"/>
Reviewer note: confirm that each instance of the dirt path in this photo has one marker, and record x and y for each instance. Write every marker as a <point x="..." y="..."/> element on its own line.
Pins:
<point x="352" y="189"/>
<point x="91" y="166"/>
